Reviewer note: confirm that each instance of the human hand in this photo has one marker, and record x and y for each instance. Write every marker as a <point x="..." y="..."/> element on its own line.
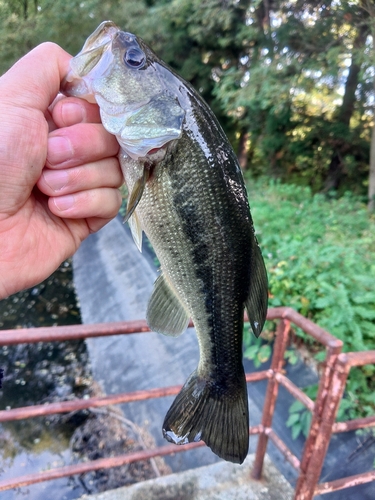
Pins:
<point x="59" y="172"/>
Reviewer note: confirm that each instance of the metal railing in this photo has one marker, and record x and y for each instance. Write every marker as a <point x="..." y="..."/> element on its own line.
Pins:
<point x="331" y="388"/>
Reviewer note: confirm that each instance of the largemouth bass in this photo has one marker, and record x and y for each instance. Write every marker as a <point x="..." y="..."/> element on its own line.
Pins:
<point x="187" y="194"/>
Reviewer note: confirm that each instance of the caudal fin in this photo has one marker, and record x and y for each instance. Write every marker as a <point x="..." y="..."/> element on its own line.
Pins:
<point x="220" y="418"/>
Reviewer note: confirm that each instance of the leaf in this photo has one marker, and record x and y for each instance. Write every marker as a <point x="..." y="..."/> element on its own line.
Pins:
<point x="321" y="356"/>
<point x="264" y="353"/>
<point x="364" y="312"/>
<point x="296" y="431"/>
<point x="323" y="302"/>
<point x="251" y="352"/>
<point x="293" y="418"/>
<point x="306" y="422"/>
<point x="291" y="356"/>
<point x="296" y="406"/>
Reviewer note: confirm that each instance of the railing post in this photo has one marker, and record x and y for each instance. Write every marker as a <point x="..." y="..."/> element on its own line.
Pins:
<point x="320" y="434"/>
<point x="277" y="362"/>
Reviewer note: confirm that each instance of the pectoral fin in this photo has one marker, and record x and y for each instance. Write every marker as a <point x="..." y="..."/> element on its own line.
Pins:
<point x="165" y="313"/>
<point x="136" y="229"/>
<point x="257" y="300"/>
<point x="136" y="194"/>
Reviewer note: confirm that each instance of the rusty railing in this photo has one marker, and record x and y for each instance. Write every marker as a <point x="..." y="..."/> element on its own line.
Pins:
<point x="324" y="409"/>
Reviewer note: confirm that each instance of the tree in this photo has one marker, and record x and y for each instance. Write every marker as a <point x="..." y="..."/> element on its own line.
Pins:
<point x="287" y="96"/>
<point x="346" y="110"/>
<point x="369" y="7"/>
<point x="291" y="81"/>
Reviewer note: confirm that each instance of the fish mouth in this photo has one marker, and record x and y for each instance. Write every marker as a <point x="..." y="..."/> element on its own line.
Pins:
<point x="96" y="51"/>
<point x="73" y="86"/>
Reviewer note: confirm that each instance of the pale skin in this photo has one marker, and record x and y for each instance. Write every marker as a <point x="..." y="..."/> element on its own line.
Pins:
<point x="59" y="173"/>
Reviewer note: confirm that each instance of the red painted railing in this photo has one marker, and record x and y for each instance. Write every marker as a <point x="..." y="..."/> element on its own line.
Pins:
<point x="331" y="388"/>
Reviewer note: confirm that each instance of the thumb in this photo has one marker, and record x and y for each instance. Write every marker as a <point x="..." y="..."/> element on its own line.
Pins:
<point x="26" y="91"/>
<point x="34" y="80"/>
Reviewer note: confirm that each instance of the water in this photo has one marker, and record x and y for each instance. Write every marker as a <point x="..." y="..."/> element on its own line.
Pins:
<point x="56" y="371"/>
<point x="39" y="373"/>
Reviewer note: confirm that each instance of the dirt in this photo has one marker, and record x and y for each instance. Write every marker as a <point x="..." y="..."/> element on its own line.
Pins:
<point x="107" y="433"/>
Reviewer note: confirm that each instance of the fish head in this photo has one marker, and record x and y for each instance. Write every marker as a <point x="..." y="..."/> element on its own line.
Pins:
<point x="136" y="93"/>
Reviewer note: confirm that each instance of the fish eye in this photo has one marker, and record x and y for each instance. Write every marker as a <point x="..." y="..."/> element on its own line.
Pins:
<point x="134" y="58"/>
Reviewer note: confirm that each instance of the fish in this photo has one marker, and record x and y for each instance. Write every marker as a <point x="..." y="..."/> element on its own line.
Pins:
<point x="187" y="194"/>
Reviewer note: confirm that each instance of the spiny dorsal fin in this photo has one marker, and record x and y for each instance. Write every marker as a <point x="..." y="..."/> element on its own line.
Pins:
<point x="165" y="313"/>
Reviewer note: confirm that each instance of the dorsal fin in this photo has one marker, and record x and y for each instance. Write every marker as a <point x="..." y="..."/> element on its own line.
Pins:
<point x="257" y="300"/>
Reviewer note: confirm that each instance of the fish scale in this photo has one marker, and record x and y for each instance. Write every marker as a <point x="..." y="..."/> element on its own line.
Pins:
<point x="186" y="192"/>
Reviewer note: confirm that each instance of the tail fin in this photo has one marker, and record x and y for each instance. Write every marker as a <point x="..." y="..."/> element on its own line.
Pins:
<point x="201" y="411"/>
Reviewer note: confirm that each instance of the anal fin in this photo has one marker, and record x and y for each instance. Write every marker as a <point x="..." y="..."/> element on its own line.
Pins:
<point x="165" y="313"/>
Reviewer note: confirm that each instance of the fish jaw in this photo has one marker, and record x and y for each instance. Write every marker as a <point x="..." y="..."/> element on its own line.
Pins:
<point x="79" y="81"/>
<point x="90" y="63"/>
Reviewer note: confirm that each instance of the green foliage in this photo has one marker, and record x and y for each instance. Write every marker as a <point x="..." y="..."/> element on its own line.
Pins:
<point x="25" y="23"/>
<point x="256" y="349"/>
<point x="275" y="71"/>
<point x="299" y="416"/>
<point x="288" y="93"/>
<point x="319" y="255"/>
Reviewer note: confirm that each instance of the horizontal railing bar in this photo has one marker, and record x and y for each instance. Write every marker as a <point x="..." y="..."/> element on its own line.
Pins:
<point x="292" y="459"/>
<point x="82" y="404"/>
<point x="97" y="402"/>
<point x="257" y="376"/>
<point x="103" y="463"/>
<point x="359" y="358"/>
<point x="75" y="332"/>
<point x="71" y="332"/>
<point x="295" y="391"/>
<point x="307" y="326"/>
<point x="345" y="482"/>
<point x="92" y="465"/>
<point x="353" y="425"/>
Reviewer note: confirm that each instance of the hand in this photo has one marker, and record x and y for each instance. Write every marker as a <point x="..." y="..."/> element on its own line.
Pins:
<point x="59" y="172"/>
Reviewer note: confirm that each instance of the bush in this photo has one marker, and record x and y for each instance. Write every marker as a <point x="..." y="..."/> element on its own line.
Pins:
<point x="319" y="255"/>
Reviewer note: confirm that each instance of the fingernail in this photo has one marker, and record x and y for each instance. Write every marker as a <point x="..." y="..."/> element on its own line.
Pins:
<point x="56" y="179"/>
<point x="64" y="202"/>
<point x="72" y="113"/>
<point x="59" y="149"/>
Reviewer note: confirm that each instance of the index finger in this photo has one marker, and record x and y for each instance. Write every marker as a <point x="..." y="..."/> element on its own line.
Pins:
<point x="69" y="111"/>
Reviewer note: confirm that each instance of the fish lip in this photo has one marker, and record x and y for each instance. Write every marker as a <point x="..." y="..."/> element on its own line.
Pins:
<point x="74" y="86"/>
<point x="77" y="82"/>
<point x="74" y="83"/>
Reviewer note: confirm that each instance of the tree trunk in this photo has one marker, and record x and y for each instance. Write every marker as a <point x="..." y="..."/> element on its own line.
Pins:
<point x="243" y="151"/>
<point x="371" y="177"/>
<point x="369" y="7"/>
<point x="335" y="169"/>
